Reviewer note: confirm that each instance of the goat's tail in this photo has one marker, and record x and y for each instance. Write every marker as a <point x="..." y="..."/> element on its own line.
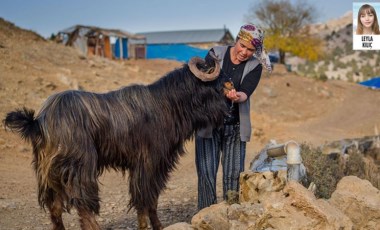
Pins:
<point x="23" y="122"/>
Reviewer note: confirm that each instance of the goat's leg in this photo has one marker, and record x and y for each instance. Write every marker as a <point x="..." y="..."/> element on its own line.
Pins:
<point x="153" y="217"/>
<point x="56" y="209"/>
<point x="88" y="208"/>
<point x="87" y="219"/>
<point x="140" y="182"/>
<point x="142" y="216"/>
<point x="83" y="186"/>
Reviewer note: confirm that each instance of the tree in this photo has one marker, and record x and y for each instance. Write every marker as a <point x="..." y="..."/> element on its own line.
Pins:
<point x="53" y="37"/>
<point x="287" y="28"/>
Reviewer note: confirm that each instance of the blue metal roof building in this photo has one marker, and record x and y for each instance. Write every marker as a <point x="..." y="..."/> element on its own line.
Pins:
<point x="182" y="45"/>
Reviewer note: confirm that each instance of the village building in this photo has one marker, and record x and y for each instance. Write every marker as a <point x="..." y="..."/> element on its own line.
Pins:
<point x="108" y="43"/>
<point x="117" y="44"/>
<point x="184" y="44"/>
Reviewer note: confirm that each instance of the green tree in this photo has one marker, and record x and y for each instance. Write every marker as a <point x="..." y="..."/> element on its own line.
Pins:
<point x="53" y="37"/>
<point x="286" y="27"/>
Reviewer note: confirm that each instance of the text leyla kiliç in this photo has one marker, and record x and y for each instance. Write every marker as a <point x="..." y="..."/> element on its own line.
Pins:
<point x="367" y="41"/>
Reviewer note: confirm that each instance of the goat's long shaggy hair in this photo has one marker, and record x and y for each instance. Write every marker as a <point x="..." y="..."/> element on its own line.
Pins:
<point x="139" y="129"/>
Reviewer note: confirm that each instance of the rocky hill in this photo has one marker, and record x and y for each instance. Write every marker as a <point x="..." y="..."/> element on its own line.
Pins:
<point x="285" y="106"/>
<point x="324" y="29"/>
<point x="340" y="60"/>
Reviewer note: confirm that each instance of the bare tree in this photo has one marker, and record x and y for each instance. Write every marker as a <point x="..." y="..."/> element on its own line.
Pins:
<point x="286" y="27"/>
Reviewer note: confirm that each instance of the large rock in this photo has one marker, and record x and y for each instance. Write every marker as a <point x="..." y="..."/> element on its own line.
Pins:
<point x="224" y="216"/>
<point x="297" y="208"/>
<point x="272" y="205"/>
<point x="359" y="200"/>
<point x="180" y="226"/>
<point x="256" y="186"/>
<point x="213" y="217"/>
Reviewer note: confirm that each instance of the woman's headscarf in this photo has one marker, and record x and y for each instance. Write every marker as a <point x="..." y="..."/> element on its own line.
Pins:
<point x="255" y="35"/>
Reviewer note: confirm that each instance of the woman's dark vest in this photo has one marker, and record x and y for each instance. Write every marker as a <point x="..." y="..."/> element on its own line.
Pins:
<point x="244" y="107"/>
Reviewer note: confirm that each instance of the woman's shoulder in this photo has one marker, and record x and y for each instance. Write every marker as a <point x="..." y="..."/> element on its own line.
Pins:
<point x="220" y="51"/>
<point x="220" y="48"/>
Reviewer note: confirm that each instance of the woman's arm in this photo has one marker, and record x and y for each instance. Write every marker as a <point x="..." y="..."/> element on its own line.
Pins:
<point x="247" y="87"/>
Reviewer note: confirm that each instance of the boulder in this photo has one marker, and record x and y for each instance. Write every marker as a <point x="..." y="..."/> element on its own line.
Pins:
<point x="225" y="216"/>
<point x="180" y="226"/>
<point x="213" y="217"/>
<point x="359" y="200"/>
<point x="256" y="186"/>
<point x="297" y="208"/>
<point x="273" y="204"/>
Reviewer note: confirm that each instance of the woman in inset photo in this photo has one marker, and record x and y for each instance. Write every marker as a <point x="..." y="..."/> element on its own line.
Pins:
<point x="367" y="21"/>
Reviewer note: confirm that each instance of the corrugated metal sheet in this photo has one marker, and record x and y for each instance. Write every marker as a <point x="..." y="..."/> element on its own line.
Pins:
<point x="185" y="36"/>
<point x="179" y="52"/>
<point x="107" y="32"/>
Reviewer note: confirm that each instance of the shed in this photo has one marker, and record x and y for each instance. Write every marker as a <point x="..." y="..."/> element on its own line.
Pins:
<point x="184" y="44"/>
<point x="109" y="43"/>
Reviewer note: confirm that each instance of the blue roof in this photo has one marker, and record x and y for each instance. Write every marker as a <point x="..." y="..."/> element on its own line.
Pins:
<point x="187" y="36"/>
<point x="372" y="83"/>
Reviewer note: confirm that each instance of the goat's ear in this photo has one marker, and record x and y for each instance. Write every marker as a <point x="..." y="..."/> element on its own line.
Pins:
<point x="211" y="58"/>
<point x="202" y="71"/>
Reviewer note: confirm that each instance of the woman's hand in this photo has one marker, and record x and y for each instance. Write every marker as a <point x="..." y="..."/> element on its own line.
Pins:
<point x="236" y="96"/>
<point x="232" y="95"/>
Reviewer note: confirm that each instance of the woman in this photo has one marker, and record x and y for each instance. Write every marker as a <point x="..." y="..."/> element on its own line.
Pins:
<point x="242" y="63"/>
<point x="367" y="21"/>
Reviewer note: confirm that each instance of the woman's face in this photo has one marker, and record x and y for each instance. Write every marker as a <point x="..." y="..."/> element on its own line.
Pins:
<point x="367" y="19"/>
<point x="244" y="50"/>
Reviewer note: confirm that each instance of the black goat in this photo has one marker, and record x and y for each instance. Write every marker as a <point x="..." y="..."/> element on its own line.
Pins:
<point x="139" y="129"/>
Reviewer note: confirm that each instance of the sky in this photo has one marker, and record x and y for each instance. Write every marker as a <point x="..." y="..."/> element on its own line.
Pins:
<point x="50" y="16"/>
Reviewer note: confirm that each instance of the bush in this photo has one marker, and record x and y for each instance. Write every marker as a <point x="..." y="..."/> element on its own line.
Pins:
<point x="355" y="164"/>
<point x="323" y="77"/>
<point x="337" y="52"/>
<point x="324" y="170"/>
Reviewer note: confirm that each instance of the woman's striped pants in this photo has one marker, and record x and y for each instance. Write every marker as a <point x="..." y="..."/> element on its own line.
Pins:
<point x="225" y="145"/>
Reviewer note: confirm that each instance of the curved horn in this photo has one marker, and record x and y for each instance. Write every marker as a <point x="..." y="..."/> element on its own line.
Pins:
<point x="206" y="73"/>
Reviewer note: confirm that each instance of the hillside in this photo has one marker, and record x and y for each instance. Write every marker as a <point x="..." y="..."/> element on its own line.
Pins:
<point x="340" y="61"/>
<point x="285" y="106"/>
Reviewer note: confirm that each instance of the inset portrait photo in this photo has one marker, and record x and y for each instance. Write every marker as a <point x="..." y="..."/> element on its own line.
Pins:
<point x="366" y="34"/>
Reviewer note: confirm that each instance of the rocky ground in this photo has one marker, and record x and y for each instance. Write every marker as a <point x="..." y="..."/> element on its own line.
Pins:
<point x="284" y="107"/>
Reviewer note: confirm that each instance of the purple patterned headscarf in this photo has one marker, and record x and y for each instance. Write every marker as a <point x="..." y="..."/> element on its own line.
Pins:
<point x="255" y="35"/>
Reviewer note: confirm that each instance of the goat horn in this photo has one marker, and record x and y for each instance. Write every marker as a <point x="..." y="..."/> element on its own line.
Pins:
<point x="206" y="73"/>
